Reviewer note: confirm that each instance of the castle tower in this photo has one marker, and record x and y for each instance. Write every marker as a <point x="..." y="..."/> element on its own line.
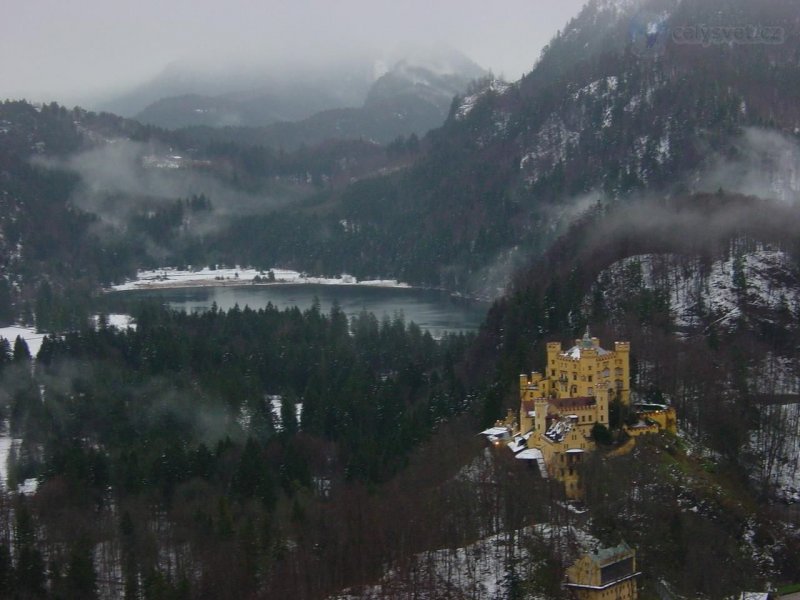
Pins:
<point x="540" y="420"/>
<point x="622" y="371"/>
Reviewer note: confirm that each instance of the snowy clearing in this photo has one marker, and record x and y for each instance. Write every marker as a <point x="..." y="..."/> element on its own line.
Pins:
<point x="30" y="335"/>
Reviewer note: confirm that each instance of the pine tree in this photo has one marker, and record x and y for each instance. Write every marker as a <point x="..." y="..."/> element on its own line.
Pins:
<point x="80" y="581"/>
<point x="7" y="574"/>
<point x="21" y="351"/>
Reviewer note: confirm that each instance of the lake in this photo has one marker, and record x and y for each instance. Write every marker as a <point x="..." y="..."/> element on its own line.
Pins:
<point x="438" y="312"/>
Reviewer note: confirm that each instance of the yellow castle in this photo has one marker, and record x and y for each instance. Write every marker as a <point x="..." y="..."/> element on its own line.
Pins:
<point x="586" y="374"/>
<point x="560" y="407"/>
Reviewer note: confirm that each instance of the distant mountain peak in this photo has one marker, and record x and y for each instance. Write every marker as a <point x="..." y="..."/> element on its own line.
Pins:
<point x="617" y="6"/>
<point x="440" y="59"/>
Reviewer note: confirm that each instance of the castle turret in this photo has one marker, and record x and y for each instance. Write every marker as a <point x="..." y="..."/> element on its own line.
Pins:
<point x="622" y="370"/>
<point x="540" y="420"/>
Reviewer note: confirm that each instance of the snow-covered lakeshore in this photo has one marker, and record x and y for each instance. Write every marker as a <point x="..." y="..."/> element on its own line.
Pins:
<point x="176" y="278"/>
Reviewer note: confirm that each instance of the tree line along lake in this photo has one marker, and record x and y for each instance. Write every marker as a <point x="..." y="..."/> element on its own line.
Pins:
<point x="433" y="310"/>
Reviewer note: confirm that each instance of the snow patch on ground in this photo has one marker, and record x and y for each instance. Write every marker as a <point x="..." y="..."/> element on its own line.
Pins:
<point x="6" y="442"/>
<point x="469" y="102"/>
<point x="609" y="84"/>
<point x="771" y="285"/>
<point x="10" y="446"/>
<point x="28" y="487"/>
<point x="776" y="375"/>
<point x="169" y="277"/>
<point x="118" y="321"/>
<point x="478" y="571"/>
<point x="617" y="6"/>
<point x="776" y="446"/>
<point x="550" y="149"/>
<point x="275" y="403"/>
<point x="30" y="335"/>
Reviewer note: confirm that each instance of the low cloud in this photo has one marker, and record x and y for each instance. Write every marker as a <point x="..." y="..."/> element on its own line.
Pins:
<point x="122" y="177"/>
<point x="765" y="163"/>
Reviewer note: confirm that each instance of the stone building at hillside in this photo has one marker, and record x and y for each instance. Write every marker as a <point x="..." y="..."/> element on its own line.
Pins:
<point x="604" y="574"/>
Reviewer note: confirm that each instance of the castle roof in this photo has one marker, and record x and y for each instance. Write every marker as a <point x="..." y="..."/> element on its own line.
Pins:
<point x="606" y="556"/>
<point x="534" y="454"/>
<point x="575" y="351"/>
<point x="558" y="429"/>
<point x="587" y="343"/>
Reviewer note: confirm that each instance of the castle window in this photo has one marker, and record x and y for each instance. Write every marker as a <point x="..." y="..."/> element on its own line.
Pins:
<point x="574" y="377"/>
<point x="552" y="372"/>
<point x="590" y="379"/>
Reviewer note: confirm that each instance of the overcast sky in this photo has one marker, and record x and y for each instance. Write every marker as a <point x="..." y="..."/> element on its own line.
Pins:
<point x="71" y="50"/>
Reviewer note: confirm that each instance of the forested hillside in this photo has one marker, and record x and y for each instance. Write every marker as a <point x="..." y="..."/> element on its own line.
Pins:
<point x="195" y="452"/>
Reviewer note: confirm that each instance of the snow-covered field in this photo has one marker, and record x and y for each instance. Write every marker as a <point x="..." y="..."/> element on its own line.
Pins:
<point x="31" y="337"/>
<point x="175" y="278"/>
